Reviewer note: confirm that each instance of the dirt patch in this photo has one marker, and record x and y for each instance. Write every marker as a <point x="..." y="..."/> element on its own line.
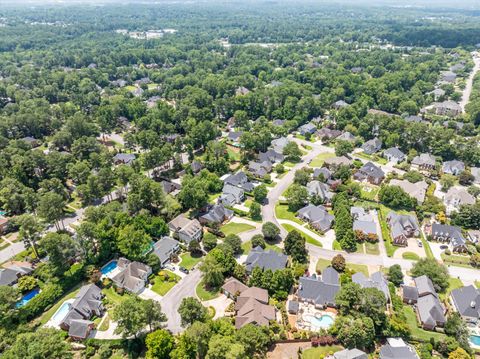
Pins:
<point x="287" y="350"/>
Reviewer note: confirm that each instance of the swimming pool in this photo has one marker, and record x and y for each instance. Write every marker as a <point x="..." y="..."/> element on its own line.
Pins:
<point x="475" y="340"/>
<point x="2" y="213"/>
<point x="61" y="313"/>
<point x="109" y="267"/>
<point x="324" y="321"/>
<point x="27" y="297"/>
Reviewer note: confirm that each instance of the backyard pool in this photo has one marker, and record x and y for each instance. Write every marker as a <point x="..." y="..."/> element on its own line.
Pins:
<point x="2" y="213"/>
<point x="324" y="321"/>
<point x="475" y="340"/>
<point x="108" y="268"/>
<point x="60" y="314"/>
<point x="27" y="297"/>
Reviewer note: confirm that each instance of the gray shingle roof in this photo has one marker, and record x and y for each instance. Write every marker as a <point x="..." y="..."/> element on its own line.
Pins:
<point x="366" y="227"/>
<point x="372" y="146"/>
<point x="269" y="259"/>
<point x="8" y="276"/>
<point x="317" y="291"/>
<point x="350" y="354"/>
<point x="217" y="214"/>
<point x="394" y="153"/>
<point x="164" y="248"/>
<point x="376" y="280"/>
<point x="125" y="158"/>
<point x="410" y="293"/>
<point x="319" y="189"/>
<point x="467" y="301"/>
<point x="452" y="232"/>
<point x="453" y="167"/>
<point x="389" y="352"/>
<point x="327" y="174"/>
<point x="317" y="215"/>
<point x="370" y="170"/>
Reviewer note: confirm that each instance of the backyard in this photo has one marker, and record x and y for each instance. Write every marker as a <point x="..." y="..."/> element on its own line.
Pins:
<point x="235" y="228"/>
<point x="418" y="333"/>
<point x="320" y="352"/>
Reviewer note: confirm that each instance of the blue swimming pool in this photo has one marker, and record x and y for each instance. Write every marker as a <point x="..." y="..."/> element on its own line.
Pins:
<point x="2" y="213"/>
<point x="27" y="297"/>
<point x="475" y="340"/>
<point x="323" y="322"/>
<point x="109" y="267"/>
<point x="61" y="313"/>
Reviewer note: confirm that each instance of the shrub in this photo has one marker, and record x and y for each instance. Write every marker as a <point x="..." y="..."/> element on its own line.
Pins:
<point x="50" y="294"/>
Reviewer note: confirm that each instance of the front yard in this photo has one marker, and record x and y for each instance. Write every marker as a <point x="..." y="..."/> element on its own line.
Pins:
<point x="188" y="261"/>
<point x="324" y="263"/>
<point x="206" y="294"/>
<point x="308" y="238"/>
<point x="235" y="228"/>
<point x="320" y="159"/>
<point x="282" y="212"/>
<point x="164" y="281"/>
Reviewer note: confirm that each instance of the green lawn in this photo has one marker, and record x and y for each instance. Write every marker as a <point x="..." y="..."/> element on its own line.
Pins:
<point x="418" y="333"/>
<point x="206" y="294"/>
<point x="235" y="228"/>
<point x="369" y="192"/>
<point x="234" y="155"/>
<point x="212" y="198"/>
<point x="188" y="261"/>
<point x="49" y="313"/>
<point x="164" y="281"/>
<point x="113" y="297"/>
<point x="411" y="256"/>
<point x="390" y="248"/>
<point x="105" y="325"/>
<point x="456" y="260"/>
<point x="248" y="203"/>
<point x="320" y="352"/>
<point x="282" y="212"/>
<point x="453" y="283"/>
<point x="247" y="247"/>
<point x="426" y="246"/>
<point x="373" y="158"/>
<point x="308" y="238"/>
<point x="318" y="161"/>
<point x="372" y="248"/>
<point x="324" y="263"/>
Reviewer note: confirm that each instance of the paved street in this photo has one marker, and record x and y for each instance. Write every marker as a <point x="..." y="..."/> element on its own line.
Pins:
<point x="469" y="84"/>
<point x="171" y="301"/>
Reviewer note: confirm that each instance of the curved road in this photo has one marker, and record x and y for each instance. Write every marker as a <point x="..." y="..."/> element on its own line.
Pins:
<point x="469" y="85"/>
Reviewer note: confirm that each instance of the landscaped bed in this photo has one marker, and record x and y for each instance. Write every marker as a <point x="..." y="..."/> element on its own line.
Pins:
<point x="410" y="256"/>
<point x="164" y="281"/>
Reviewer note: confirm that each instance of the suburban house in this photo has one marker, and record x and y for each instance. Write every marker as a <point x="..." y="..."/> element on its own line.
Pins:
<point x="453" y="167"/>
<point x="350" y="354"/>
<point x="372" y="146"/>
<point x="466" y="301"/>
<point x="271" y="156"/>
<point x="424" y="161"/>
<point x="217" y="214"/>
<point x="132" y="276"/>
<point x="447" y="108"/>
<point x="242" y="91"/>
<point x="328" y="133"/>
<point x="448" y="76"/>
<point x="124" y="158"/>
<point x="279" y="144"/>
<point x="335" y="162"/>
<point x="171" y="187"/>
<point x="370" y="173"/>
<point x="185" y="229"/>
<point x="319" y="190"/>
<point x="234" y="137"/>
<point x="340" y="104"/>
<point x="430" y="310"/>
<point x="260" y="169"/>
<point x="346" y="136"/>
<point x="165" y="248"/>
<point x="456" y="197"/>
<point x="457" y="67"/>
<point x="320" y="290"/>
<point x="87" y="303"/>
<point x="232" y="287"/>
<point x="265" y="260"/>
<point x="476" y="174"/>
<point x="363" y="222"/>
<point x="323" y="172"/>
<point x="402" y="227"/>
<point x="438" y="94"/>
<point x="231" y="195"/>
<point x="251" y="307"/>
<point x="317" y="216"/>
<point x="4" y="224"/>
<point x="393" y="154"/>
<point x="416" y="119"/>
<point x="376" y="280"/>
<point x="416" y="190"/>
<point x="449" y="234"/>
<point x="11" y="274"/>
<point x="239" y="180"/>
<point x="31" y="141"/>
<point x="278" y="123"/>
<point x="474" y="235"/>
<point x="196" y="166"/>
<point x="308" y="128"/>
<point x="396" y="348"/>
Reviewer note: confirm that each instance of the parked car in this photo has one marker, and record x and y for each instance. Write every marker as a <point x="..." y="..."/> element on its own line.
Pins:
<point x="170" y="267"/>
<point x="443" y="247"/>
<point x="184" y="270"/>
<point x="420" y="244"/>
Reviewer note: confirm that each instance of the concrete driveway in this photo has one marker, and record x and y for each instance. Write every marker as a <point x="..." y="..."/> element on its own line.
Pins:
<point x="220" y="304"/>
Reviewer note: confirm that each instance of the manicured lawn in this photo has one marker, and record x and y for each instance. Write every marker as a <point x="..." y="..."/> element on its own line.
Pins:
<point x="206" y="294"/>
<point x="282" y="212"/>
<point x="390" y="248"/>
<point x="188" y="261"/>
<point x="49" y="313"/>
<point x="247" y="247"/>
<point x="248" y="203"/>
<point x="318" y="161"/>
<point x="324" y="263"/>
<point x="105" y="325"/>
<point x="320" y="352"/>
<point x="419" y="333"/>
<point x="233" y="154"/>
<point x="426" y="246"/>
<point x="213" y="197"/>
<point x="235" y="228"/>
<point x="372" y="248"/>
<point x="336" y="245"/>
<point x="308" y="238"/>
<point x="164" y="281"/>
<point x="113" y="297"/>
<point x="456" y="260"/>
<point x="373" y="158"/>
<point x="411" y="256"/>
<point x="369" y="192"/>
<point x="453" y="283"/>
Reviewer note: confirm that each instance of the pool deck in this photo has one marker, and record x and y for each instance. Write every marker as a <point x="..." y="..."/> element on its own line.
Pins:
<point x="55" y="323"/>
